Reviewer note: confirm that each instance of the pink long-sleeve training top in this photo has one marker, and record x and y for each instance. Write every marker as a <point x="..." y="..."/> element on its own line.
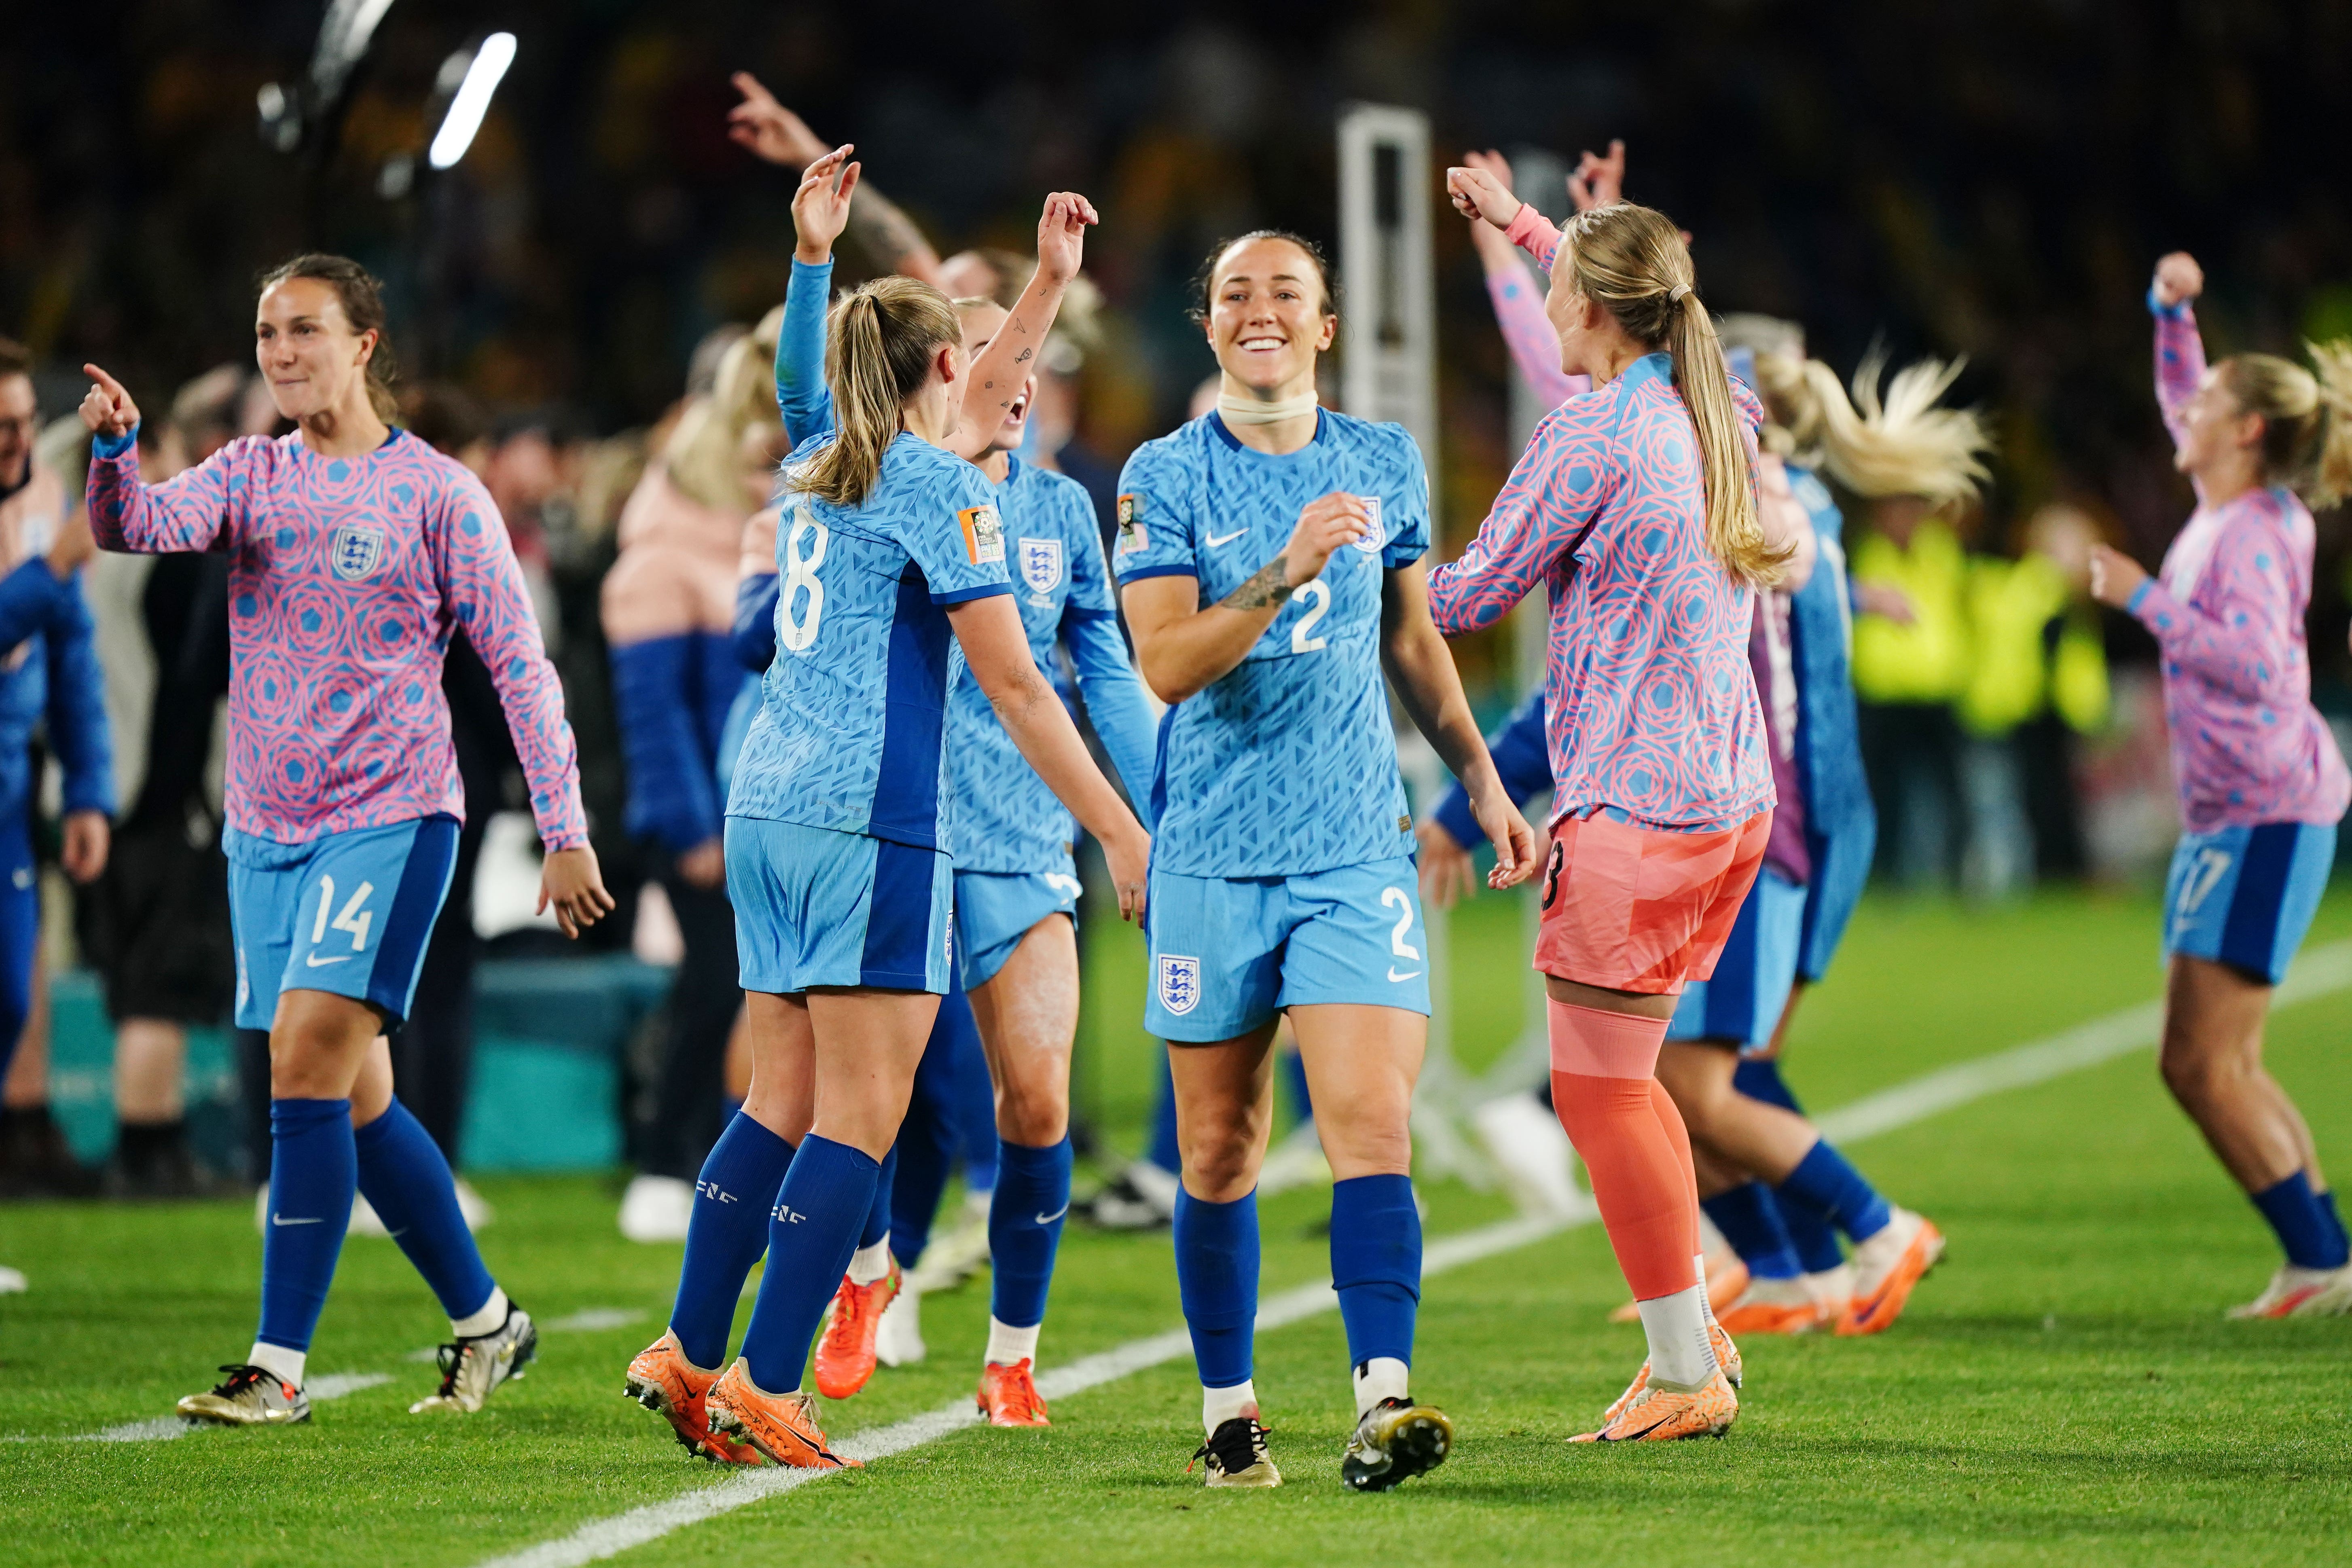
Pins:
<point x="2227" y="611"/>
<point x="1650" y="705"/>
<point x="346" y="578"/>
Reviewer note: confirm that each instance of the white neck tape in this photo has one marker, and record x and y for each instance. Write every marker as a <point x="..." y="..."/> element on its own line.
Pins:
<point x="1235" y="411"/>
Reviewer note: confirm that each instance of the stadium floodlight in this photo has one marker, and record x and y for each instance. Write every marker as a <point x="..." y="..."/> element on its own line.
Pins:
<point x="472" y="101"/>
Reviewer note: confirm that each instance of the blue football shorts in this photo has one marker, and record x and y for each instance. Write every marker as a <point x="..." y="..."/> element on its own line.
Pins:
<point x="2245" y="896"/>
<point x="1742" y="1001"/>
<point x="349" y="913"/>
<point x="994" y="909"/>
<point x="814" y="906"/>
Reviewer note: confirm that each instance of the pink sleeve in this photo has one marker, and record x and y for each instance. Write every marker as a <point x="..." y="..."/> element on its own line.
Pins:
<point x="1552" y="496"/>
<point x="186" y="513"/>
<point x="2242" y="640"/>
<point x="1533" y="233"/>
<point x="483" y="583"/>
<point x="2179" y="362"/>
<point x="1526" y="333"/>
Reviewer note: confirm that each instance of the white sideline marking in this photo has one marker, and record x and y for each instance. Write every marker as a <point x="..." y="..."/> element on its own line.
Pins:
<point x="164" y="1428"/>
<point x="2316" y="974"/>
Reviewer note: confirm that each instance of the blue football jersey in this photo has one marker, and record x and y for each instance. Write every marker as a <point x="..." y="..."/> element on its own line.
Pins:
<point x="853" y="712"/>
<point x="1287" y="764"/>
<point x="1006" y="819"/>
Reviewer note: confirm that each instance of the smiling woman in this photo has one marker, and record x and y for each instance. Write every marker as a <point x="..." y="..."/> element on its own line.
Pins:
<point x="355" y="549"/>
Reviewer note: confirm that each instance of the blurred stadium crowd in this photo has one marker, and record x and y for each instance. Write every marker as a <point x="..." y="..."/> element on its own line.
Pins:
<point x="563" y="300"/>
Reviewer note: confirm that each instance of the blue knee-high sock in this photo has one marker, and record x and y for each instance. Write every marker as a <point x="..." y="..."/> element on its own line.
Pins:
<point x="1376" y="1264"/>
<point x="407" y="1183"/>
<point x="726" y="1233"/>
<point x="2301" y="1222"/>
<point x="974" y="1104"/>
<point x="1751" y="1220"/>
<point x="1833" y="1189"/>
<point x="1164" y="1151"/>
<point x="878" y="1213"/>
<point x="313" y="1172"/>
<point x="925" y="1151"/>
<point x="2335" y="1220"/>
<point x="810" y="1234"/>
<point x="1025" y="1228"/>
<point x="1216" y="1278"/>
<point x="1294" y="1073"/>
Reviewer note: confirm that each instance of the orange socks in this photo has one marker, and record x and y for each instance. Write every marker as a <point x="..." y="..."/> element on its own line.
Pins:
<point x="1632" y="1140"/>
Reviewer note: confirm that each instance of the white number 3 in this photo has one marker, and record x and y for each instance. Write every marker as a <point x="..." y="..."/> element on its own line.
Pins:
<point x="1396" y="898"/>
<point x="796" y="632"/>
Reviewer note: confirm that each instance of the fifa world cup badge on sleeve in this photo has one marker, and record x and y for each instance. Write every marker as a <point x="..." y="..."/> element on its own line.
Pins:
<point x="983" y="535"/>
<point x="1041" y="565"/>
<point x="356" y="551"/>
<point x="1131" y="537"/>
<point x="1375" y="535"/>
<point x="1180" y="983"/>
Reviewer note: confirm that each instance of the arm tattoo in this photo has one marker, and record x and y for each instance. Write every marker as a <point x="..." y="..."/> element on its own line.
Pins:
<point x="1265" y="590"/>
<point x="888" y="234"/>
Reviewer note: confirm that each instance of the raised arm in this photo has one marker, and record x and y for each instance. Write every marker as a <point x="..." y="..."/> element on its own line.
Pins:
<point x="2180" y="348"/>
<point x="1420" y="670"/>
<point x="1006" y="364"/>
<point x="1518" y="298"/>
<point x="996" y="647"/>
<point x="773" y="133"/>
<point x="185" y="513"/>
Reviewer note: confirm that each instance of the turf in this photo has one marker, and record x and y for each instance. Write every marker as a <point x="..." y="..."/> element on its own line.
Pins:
<point x="2063" y="1390"/>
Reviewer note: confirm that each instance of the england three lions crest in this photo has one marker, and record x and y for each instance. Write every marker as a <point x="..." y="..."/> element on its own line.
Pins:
<point x="1041" y="565"/>
<point x="1180" y="983"/>
<point x="356" y="552"/>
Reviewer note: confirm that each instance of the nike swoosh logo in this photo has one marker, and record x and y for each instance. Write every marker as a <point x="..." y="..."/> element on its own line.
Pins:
<point x="1212" y="541"/>
<point x="315" y="962"/>
<point x="1395" y="978"/>
<point x="281" y="1220"/>
<point x="1050" y="1218"/>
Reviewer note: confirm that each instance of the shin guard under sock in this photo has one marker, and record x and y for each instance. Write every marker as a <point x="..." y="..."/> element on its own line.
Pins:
<point x="314" y="1173"/>
<point x="725" y="1234"/>
<point x="407" y="1183"/>
<point x="1376" y="1264"/>
<point x="1216" y="1278"/>
<point x="811" y="1233"/>
<point x="1025" y="1215"/>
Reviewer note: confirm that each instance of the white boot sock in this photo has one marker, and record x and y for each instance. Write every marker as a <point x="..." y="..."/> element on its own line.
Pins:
<point x="1381" y="1377"/>
<point x="1681" y="1359"/>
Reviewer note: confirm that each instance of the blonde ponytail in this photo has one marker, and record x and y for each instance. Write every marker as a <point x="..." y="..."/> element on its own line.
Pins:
<point x="1900" y="444"/>
<point x="1632" y="262"/>
<point x="2307" y="417"/>
<point x="879" y="341"/>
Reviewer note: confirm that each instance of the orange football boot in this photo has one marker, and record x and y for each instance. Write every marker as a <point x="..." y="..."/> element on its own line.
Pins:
<point x="780" y="1425"/>
<point x="1773" y="1307"/>
<point x="1727" y="1358"/>
<point x="1886" y="1268"/>
<point x="1662" y="1414"/>
<point x="662" y="1380"/>
<point x="1009" y="1396"/>
<point x="845" y="1350"/>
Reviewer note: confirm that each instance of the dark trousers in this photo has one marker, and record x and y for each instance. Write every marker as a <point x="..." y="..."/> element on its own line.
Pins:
<point x="703" y="1001"/>
<point x="433" y="1052"/>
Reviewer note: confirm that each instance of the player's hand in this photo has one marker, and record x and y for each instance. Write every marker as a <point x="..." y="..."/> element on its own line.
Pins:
<point x="107" y="409"/>
<point x="1599" y="181"/>
<point x="1506" y="830"/>
<point x="705" y="865"/>
<point x="821" y="205"/>
<point x="2179" y="278"/>
<point x="1129" y="858"/>
<point x="1448" y="875"/>
<point x="73" y="546"/>
<point x="87" y="838"/>
<point x="2115" y="576"/>
<point x="1883" y="600"/>
<point x="1478" y="194"/>
<point x="767" y="129"/>
<point x="1324" y="524"/>
<point x="571" y="881"/>
<point x="1062" y="236"/>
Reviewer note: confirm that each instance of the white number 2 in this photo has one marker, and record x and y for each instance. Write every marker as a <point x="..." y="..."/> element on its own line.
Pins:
<point x="1316" y="597"/>
<point x="1395" y="897"/>
<point x="355" y="918"/>
<point x="796" y="632"/>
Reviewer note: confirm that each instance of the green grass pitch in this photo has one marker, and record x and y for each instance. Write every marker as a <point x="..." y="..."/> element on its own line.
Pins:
<point x="2063" y="1390"/>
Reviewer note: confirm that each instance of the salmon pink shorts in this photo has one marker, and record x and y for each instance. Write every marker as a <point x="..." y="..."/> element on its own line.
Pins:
<point x="1643" y="909"/>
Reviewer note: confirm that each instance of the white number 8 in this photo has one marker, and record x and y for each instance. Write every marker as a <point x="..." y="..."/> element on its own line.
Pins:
<point x="797" y="632"/>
